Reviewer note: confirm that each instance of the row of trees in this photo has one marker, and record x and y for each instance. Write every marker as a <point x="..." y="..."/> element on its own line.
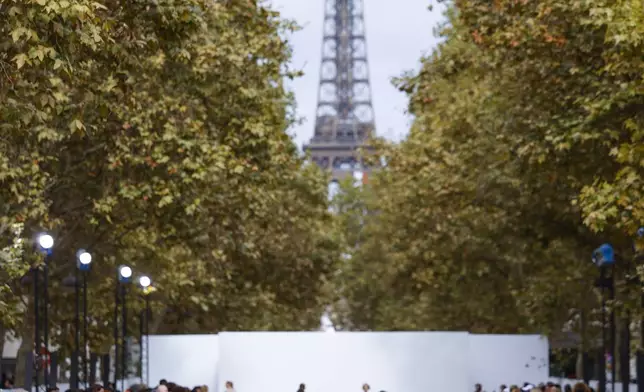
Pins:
<point x="526" y="153"/>
<point x="153" y="134"/>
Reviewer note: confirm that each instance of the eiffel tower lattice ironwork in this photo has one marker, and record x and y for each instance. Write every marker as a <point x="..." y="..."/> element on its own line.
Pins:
<point x="345" y="116"/>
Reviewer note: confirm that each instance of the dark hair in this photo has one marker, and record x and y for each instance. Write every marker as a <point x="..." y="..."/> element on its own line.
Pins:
<point x="302" y="387"/>
<point x="163" y="381"/>
<point x="230" y="383"/>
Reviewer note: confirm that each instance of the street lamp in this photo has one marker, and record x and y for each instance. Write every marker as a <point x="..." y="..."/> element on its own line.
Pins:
<point x="604" y="258"/>
<point x="45" y="241"/>
<point x="83" y="264"/>
<point x="46" y="244"/>
<point x="640" y="353"/>
<point x="124" y="276"/>
<point x="145" y="282"/>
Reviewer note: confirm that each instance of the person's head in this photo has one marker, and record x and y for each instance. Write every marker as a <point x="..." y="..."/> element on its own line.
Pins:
<point x="162" y="388"/>
<point x="580" y="387"/>
<point x="365" y="387"/>
<point x="53" y="389"/>
<point x="229" y="385"/>
<point x="196" y="389"/>
<point x="163" y="381"/>
<point x="527" y="387"/>
<point x="302" y="387"/>
<point x="478" y="387"/>
<point x="204" y="388"/>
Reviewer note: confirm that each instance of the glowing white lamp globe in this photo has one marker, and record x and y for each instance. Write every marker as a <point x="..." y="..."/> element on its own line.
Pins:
<point x="85" y="258"/>
<point x="125" y="272"/>
<point x="46" y="241"/>
<point x="145" y="282"/>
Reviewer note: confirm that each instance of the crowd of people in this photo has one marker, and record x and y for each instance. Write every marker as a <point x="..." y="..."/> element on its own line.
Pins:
<point x="543" y="387"/>
<point x="164" y="386"/>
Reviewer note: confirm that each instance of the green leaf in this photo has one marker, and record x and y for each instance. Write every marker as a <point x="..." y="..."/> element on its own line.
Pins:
<point x="20" y="60"/>
<point x="76" y="125"/>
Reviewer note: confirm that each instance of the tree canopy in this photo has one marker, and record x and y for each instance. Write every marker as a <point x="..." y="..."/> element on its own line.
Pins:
<point x="153" y="134"/>
<point x="524" y="156"/>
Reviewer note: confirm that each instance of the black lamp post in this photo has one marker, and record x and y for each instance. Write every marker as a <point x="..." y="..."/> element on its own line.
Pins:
<point x="145" y="283"/>
<point x="83" y="263"/>
<point x="46" y="244"/>
<point x="604" y="258"/>
<point x="124" y="276"/>
<point x="640" y="353"/>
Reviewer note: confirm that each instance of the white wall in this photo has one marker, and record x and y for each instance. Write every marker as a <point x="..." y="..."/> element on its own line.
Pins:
<point x="390" y="361"/>
<point x="188" y="360"/>
<point x="402" y="361"/>
<point x="278" y="361"/>
<point x="507" y="359"/>
<point x="343" y="361"/>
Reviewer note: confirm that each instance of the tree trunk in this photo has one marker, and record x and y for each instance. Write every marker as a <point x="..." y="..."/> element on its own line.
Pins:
<point x="3" y="333"/>
<point x="26" y="347"/>
<point x="617" y="358"/>
<point x="157" y="321"/>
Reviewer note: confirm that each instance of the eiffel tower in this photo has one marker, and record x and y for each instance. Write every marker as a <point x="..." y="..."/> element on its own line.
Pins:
<point x="345" y="116"/>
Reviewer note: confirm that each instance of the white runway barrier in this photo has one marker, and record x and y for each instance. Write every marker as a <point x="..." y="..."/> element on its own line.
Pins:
<point x="343" y="361"/>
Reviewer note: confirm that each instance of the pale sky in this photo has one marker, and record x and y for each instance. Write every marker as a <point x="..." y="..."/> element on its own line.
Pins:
<point x="398" y="34"/>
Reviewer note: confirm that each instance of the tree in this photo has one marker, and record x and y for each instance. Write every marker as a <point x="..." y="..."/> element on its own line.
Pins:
<point x="584" y="57"/>
<point x="154" y="135"/>
<point x="13" y="267"/>
<point x="478" y="224"/>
